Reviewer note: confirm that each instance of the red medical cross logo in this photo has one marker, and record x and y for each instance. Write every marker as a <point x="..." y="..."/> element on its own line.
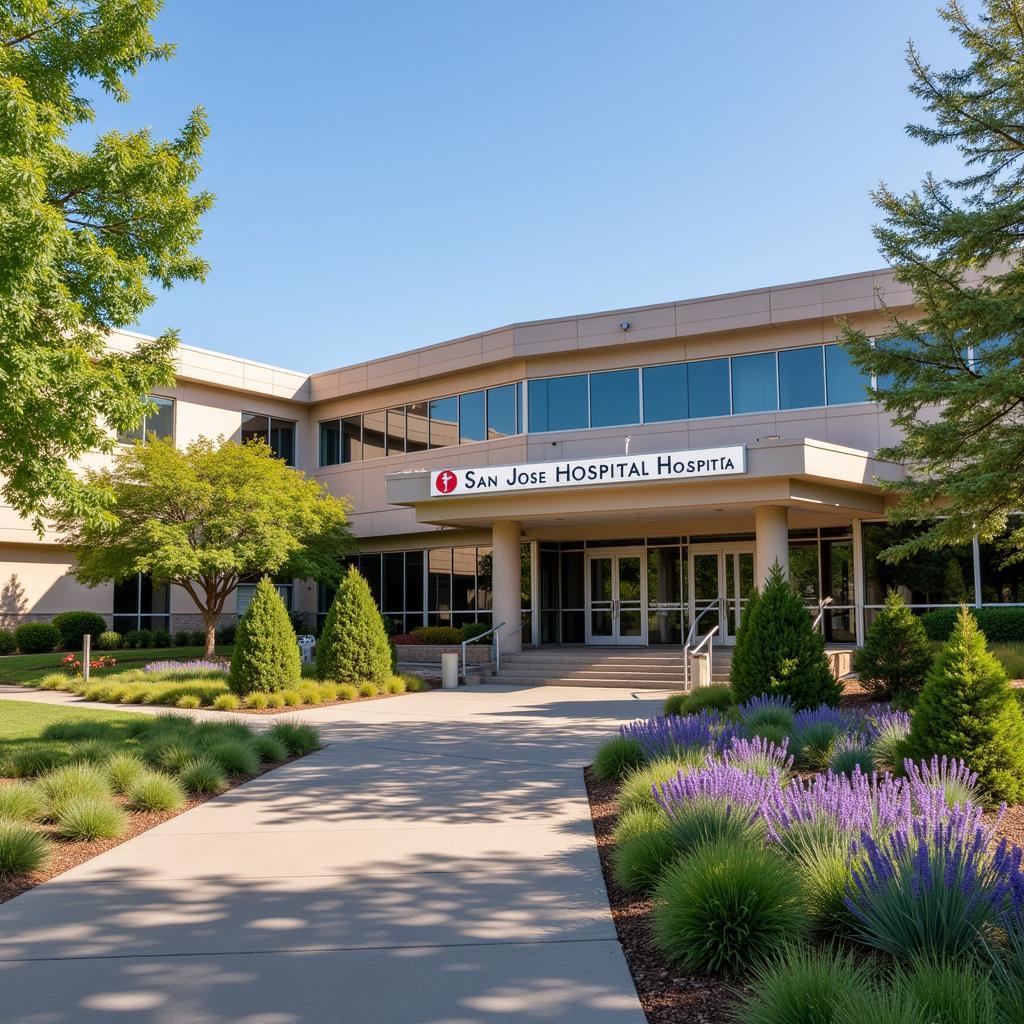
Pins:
<point x="447" y="481"/>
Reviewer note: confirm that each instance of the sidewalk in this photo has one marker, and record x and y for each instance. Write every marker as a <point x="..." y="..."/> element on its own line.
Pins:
<point x="434" y="864"/>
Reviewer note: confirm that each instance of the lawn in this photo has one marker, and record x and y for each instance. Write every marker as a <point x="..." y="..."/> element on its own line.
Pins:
<point x="29" y="668"/>
<point x="22" y="723"/>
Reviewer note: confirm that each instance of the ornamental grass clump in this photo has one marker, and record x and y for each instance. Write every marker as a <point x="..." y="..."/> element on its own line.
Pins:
<point x="852" y="754"/>
<point x="298" y="738"/>
<point x="637" y="822"/>
<point x="709" y="820"/>
<point x="22" y="850"/>
<point x="154" y="791"/>
<point x="640" y="786"/>
<point x="932" y="888"/>
<point x="745" y="791"/>
<point x="950" y="990"/>
<point x="269" y="749"/>
<point x="21" y="801"/>
<point x="727" y="905"/>
<point x="816" y="731"/>
<point x="802" y="986"/>
<point x="949" y="778"/>
<point x="72" y="782"/>
<point x="203" y="775"/>
<point x="639" y="863"/>
<point x="887" y="733"/>
<point x="87" y="818"/>
<point x="717" y="697"/>
<point x="677" y="735"/>
<point x="968" y="710"/>
<point x="122" y="770"/>
<point x="235" y="757"/>
<point x="760" y="756"/>
<point x="32" y="761"/>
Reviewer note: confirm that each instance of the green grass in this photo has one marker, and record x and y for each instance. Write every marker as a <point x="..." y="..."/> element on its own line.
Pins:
<point x="1012" y="658"/>
<point x="27" y="669"/>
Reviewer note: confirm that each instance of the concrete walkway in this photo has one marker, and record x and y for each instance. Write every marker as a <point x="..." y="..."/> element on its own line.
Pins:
<point x="434" y="864"/>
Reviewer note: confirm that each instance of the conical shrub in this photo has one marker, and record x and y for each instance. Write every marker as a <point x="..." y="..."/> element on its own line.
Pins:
<point x="896" y="654"/>
<point x="353" y="647"/>
<point x="779" y="650"/>
<point x="968" y="710"/>
<point x="266" y="654"/>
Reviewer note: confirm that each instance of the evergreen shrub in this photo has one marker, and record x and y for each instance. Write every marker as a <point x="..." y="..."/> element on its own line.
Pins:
<point x="778" y="651"/>
<point x="74" y="625"/>
<point x="1000" y="625"/>
<point x="435" y="635"/>
<point x="353" y="646"/>
<point x="266" y="656"/>
<point x="896" y="654"/>
<point x="37" y="637"/>
<point x="108" y="640"/>
<point x="968" y="710"/>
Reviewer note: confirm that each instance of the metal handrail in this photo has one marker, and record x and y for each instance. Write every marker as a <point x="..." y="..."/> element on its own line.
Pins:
<point x="707" y="636"/>
<point x="691" y="633"/>
<point x="477" y="639"/>
<point x="822" y="605"/>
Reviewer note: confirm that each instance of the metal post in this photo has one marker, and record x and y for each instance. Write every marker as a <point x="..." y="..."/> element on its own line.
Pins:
<point x="86" y="653"/>
<point x="976" y="556"/>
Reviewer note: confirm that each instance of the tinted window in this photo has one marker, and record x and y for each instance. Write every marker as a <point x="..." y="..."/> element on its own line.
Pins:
<point x="255" y="427"/>
<point x="282" y="440"/>
<point x="614" y="398"/>
<point x="845" y="382"/>
<point x="754" y="386"/>
<point x="396" y="431"/>
<point x="417" y="427"/>
<point x="708" y="388"/>
<point x="801" y="378"/>
<point x="558" y="403"/>
<point x="665" y="393"/>
<point x="414" y="581"/>
<point x="501" y="411"/>
<point x="373" y="435"/>
<point x="444" y="422"/>
<point x="352" y="439"/>
<point x="330" y="443"/>
<point x="471" y="417"/>
<point x="160" y="421"/>
<point x="394" y="582"/>
<point x="464" y="579"/>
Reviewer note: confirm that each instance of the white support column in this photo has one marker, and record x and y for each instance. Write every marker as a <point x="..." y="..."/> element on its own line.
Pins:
<point x="508" y="602"/>
<point x="771" y="526"/>
<point x="859" y="592"/>
<point x="535" y="592"/>
<point x="976" y="559"/>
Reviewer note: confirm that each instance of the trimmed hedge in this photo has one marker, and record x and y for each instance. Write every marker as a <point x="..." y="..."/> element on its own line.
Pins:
<point x="353" y="646"/>
<point x="8" y="645"/>
<point x="1000" y="625"/>
<point x="438" y="635"/>
<point x="74" y="625"/>
<point x="37" y="637"/>
<point x="266" y="655"/>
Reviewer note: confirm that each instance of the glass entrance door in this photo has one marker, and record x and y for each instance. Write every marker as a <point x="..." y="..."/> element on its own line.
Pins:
<point x="721" y="578"/>
<point x="617" y="597"/>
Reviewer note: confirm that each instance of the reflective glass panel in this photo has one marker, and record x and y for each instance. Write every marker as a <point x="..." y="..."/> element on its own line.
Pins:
<point x="282" y="440"/>
<point x="845" y="383"/>
<point x="393" y="597"/>
<point x="614" y="398"/>
<point x="665" y="393"/>
<point x="255" y="427"/>
<point x="464" y="579"/>
<point x="501" y="411"/>
<point x="160" y="420"/>
<point x="471" y="417"/>
<point x="373" y="435"/>
<point x="444" y="422"/>
<point x="708" y="388"/>
<point x="396" y="431"/>
<point x="414" y="583"/>
<point x="330" y="443"/>
<point x="754" y="387"/>
<point x="417" y="425"/>
<point x="439" y="579"/>
<point x="484" y="574"/>
<point x="801" y="378"/>
<point x="558" y="403"/>
<point x="352" y="439"/>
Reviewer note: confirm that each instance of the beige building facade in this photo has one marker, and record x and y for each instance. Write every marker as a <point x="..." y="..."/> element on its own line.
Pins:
<point x="606" y="479"/>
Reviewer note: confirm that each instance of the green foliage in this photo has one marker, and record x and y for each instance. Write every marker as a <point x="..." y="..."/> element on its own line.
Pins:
<point x="70" y="782"/>
<point x="84" y="237"/>
<point x="353" y="645"/>
<point x="74" y="625"/>
<point x="820" y="851"/>
<point x="718" y="697"/>
<point x="202" y="775"/>
<point x="30" y="761"/>
<point x="298" y="738"/>
<point x="170" y="752"/>
<point x="640" y="862"/>
<point x="949" y="990"/>
<point x="896" y="654"/>
<point x="707" y="820"/>
<point x="850" y="756"/>
<point x="247" y="514"/>
<point x="85" y="818"/>
<point x="235" y="757"/>
<point x="813" y="745"/>
<point x="635" y="823"/>
<point x="122" y="770"/>
<point x="226" y="702"/>
<point x="637" y="789"/>
<point x="779" y="651"/>
<point x="8" y="645"/>
<point x="950" y="378"/>
<point x="137" y="638"/>
<point x="674" y="704"/>
<point x="727" y="905"/>
<point x="188" y="701"/>
<point x="22" y="850"/>
<point x="269" y="748"/>
<point x="266" y="655"/>
<point x="258" y="701"/>
<point x="968" y="710"/>
<point x="108" y="640"/>
<point x="1000" y="625"/>
<point x="446" y="635"/>
<point x="616" y="758"/>
<point x="93" y="751"/>
<point x="881" y="1004"/>
<point x="20" y="801"/>
<point x="801" y="986"/>
<point x="154" y="791"/>
<point x="36" y="637"/>
<point x="471" y="630"/>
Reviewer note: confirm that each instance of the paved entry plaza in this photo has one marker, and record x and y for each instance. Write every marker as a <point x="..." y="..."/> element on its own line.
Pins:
<point x="435" y="862"/>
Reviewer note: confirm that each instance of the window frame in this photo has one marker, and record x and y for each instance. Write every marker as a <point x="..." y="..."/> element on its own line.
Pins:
<point x="124" y="439"/>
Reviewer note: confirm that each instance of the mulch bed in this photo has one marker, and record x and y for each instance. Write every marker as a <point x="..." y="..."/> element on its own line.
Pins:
<point x="666" y="995"/>
<point x="66" y="855"/>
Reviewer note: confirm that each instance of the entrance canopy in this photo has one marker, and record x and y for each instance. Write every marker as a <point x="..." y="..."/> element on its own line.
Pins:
<point x="795" y="473"/>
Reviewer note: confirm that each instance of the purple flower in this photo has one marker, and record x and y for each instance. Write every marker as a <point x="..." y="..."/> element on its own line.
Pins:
<point x="841" y="720"/>
<point x="757" y="755"/>
<point x="743" y="791"/>
<point x="663" y="737"/>
<point x="766" y="702"/>
<point x="941" y="779"/>
<point x="198" y="665"/>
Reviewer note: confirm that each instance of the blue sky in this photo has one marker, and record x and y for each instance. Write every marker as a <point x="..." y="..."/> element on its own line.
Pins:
<point x="393" y="174"/>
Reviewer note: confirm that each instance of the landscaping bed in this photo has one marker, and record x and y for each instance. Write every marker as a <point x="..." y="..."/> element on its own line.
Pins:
<point x="77" y="782"/>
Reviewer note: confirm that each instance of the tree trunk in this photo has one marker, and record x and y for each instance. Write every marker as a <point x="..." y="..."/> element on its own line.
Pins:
<point x="210" y="621"/>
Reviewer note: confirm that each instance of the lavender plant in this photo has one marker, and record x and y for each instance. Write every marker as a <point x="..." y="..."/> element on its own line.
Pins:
<point x="947" y="776"/>
<point x="759" y="755"/>
<point x="677" y="734"/>
<point x="817" y="731"/>
<point x="887" y="731"/>
<point x="851" y="754"/>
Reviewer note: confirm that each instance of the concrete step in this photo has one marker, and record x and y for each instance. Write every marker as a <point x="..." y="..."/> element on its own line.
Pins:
<point x="612" y="683"/>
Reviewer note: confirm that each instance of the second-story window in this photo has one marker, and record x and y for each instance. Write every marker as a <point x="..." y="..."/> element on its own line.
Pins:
<point x="278" y="434"/>
<point x="158" y="422"/>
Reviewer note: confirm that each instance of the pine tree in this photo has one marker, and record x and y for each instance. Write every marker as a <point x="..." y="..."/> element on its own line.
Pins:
<point x="354" y="646"/>
<point x="743" y="650"/>
<point x="956" y="244"/>
<point x="266" y="654"/>
<point x="780" y="651"/>
<point x="967" y="709"/>
<point x="896" y="654"/>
